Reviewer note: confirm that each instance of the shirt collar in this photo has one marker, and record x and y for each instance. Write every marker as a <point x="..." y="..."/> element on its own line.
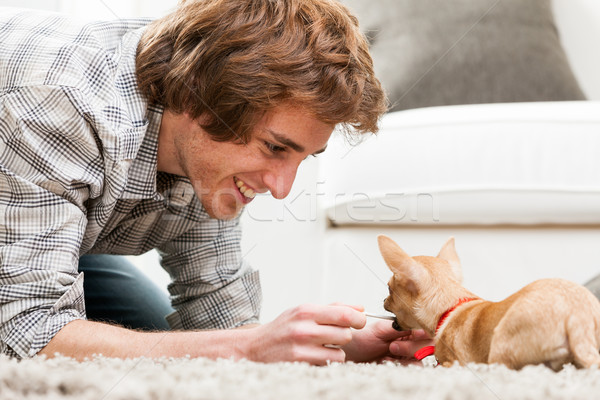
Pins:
<point x="144" y="181"/>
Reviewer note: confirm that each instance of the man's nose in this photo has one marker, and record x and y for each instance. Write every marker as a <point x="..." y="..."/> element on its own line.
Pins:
<point x="279" y="180"/>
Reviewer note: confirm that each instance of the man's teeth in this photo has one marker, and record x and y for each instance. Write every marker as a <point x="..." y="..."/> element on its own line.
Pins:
<point x="245" y="191"/>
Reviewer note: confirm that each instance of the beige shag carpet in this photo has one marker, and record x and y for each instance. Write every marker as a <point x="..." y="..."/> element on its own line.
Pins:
<point x="104" y="378"/>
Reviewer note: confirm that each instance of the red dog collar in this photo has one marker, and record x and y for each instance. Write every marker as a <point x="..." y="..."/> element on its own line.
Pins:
<point x="424" y="352"/>
<point x="445" y="315"/>
<point x="430" y="350"/>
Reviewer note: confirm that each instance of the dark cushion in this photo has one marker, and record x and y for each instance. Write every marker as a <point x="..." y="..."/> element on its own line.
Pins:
<point x="443" y="52"/>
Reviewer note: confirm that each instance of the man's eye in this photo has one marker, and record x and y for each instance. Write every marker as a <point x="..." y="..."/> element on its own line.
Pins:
<point x="273" y="148"/>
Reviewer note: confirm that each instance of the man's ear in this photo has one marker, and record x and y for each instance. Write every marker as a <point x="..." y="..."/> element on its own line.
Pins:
<point x="407" y="271"/>
<point x="448" y="253"/>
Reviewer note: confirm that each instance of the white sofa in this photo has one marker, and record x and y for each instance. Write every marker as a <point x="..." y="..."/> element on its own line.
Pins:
<point x="517" y="185"/>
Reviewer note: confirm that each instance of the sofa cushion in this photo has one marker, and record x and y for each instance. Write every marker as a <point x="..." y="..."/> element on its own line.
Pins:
<point x="432" y="52"/>
<point x="509" y="163"/>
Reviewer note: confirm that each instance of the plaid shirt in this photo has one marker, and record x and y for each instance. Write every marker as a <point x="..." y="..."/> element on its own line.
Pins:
<point x="78" y="147"/>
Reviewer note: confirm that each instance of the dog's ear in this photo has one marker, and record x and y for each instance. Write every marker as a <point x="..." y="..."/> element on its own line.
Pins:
<point x="410" y="274"/>
<point x="448" y="253"/>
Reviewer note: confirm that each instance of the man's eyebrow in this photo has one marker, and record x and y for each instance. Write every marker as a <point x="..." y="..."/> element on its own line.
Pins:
<point x="286" y="142"/>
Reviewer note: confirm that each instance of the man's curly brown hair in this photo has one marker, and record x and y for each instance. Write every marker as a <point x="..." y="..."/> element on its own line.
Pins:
<point x="235" y="60"/>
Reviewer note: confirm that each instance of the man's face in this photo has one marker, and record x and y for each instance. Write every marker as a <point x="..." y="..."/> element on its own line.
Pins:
<point x="226" y="175"/>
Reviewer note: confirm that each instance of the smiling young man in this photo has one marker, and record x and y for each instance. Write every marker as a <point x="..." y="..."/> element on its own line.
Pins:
<point x="121" y="137"/>
<point x="228" y="174"/>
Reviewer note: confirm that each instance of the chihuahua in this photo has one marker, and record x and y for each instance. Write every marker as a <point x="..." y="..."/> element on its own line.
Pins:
<point x="550" y="321"/>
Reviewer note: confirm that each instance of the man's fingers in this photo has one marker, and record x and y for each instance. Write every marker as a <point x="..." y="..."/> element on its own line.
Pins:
<point x="332" y="336"/>
<point x="329" y="354"/>
<point x="341" y="315"/>
<point x="407" y="348"/>
<point x="419" y="334"/>
<point x="414" y="335"/>
<point x="386" y="333"/>
<point x="408" y="345"/>
<point x="319" y="355"/>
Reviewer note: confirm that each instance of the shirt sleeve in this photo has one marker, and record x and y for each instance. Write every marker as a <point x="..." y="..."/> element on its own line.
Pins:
<point x="212" y="286"/>
<point x="42" y="219"/>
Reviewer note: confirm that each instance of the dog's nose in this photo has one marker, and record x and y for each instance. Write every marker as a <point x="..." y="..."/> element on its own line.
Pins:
<point x="397" y="326"/>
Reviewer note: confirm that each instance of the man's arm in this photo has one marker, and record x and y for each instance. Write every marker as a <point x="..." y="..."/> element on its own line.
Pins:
<point x="306" y="333"/>
<point x="42" y="214"/>
<point x="82" y="339"/>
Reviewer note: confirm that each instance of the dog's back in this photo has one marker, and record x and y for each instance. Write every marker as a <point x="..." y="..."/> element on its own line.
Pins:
<point x="550" y="321"/>
<point x="555" y="321"/>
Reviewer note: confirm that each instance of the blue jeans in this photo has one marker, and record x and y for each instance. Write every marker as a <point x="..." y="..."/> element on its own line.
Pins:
<point x="116" y="291"/>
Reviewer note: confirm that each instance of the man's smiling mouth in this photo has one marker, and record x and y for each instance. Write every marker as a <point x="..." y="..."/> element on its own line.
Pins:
<point x="246" y="191"/>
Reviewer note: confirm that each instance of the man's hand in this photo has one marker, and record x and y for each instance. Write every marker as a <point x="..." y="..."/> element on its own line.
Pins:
<point x="310" y="333"/>
<point x="379" y="342"/>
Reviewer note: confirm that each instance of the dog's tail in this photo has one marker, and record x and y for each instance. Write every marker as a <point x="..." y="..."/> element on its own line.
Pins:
<point x="584" y="334"/>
